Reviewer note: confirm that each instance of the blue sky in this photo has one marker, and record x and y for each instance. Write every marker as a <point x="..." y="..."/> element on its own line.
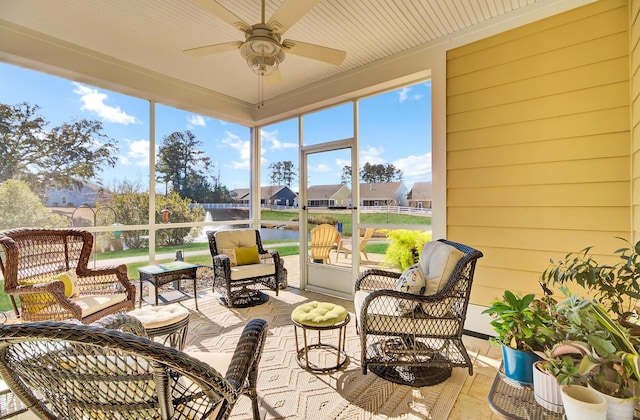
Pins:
<point x="395" y="127"/>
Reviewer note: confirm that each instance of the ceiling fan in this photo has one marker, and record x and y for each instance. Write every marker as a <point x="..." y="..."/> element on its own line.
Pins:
<point x="262" y="47"/>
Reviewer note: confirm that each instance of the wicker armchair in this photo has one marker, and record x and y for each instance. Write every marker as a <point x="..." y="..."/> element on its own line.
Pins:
<point x="415" y="339"/>
<point x="239" y="283"/>
<point x="64" y="370"/>
<point x="30" y="260"/>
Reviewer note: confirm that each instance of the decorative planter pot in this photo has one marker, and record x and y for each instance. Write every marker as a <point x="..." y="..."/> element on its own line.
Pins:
<point x="546" y="390"/>
<point x="617" y="408"/>
<point x="518" y="364"/>
<point x="581" y="403"/>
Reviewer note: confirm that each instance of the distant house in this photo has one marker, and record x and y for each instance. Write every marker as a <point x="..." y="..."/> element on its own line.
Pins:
<point x="241" y="195"/>
<point x="279" y="195"/>
<point x="420" y="195"/>
<point x="384" y="194"/>
<point x="73" y="196"/>
<point x="329" y="196"/>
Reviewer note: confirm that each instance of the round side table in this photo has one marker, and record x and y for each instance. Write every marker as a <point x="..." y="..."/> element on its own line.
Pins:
<point x="320" y="316"/>
<point x="168" y="323"/>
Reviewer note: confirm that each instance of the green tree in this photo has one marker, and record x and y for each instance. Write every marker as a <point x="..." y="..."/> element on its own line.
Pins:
<point x="181" y="211"/>
<point x="283" y="173"/>
<point x="20" y="207"/>
<point x="345" y="178"/>
<point x="179" y="163"/>
<point x="379" y="173"/>
<point x="131" y="207"/>
<point x="62" y="156"/>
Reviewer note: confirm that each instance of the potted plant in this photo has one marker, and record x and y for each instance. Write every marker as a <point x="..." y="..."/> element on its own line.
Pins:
<point x="614" y="286"/>
<point x="405" y="247"/>
<point x="522" y="325"/>
<point x="605" y="354"/>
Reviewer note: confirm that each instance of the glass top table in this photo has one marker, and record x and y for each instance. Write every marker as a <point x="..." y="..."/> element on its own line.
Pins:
<point x="161" y="274"/>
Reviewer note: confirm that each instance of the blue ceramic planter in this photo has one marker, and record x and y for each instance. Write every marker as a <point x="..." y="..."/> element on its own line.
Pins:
<point x="518" y="364"/>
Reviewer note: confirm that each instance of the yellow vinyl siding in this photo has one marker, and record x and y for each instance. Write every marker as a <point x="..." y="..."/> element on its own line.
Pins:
<point x="634" y="41"/>
<point x="538" y="144"/>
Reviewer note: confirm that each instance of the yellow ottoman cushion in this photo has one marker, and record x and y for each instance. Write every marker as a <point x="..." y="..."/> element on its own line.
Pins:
<point x="319" y="314"/>
<point x="160" y="316"/>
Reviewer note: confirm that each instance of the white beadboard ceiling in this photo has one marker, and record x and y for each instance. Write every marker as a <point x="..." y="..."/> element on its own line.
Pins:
<point x="151" y="35"/>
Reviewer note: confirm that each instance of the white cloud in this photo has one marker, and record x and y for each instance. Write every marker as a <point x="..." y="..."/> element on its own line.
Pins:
<point x="137" y="153"/>
<point x="372" y="155"/>
<point x="405" y="95"/>
<point x="94" y="101"/>
<point x="415" y="168"/>
<point x="196" y="120"/>
<point x="271" y="137"/>
<point x="243" y="147"/>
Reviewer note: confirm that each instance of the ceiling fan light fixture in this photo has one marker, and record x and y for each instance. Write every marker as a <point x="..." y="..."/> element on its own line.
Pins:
<point x="263" y="54"/>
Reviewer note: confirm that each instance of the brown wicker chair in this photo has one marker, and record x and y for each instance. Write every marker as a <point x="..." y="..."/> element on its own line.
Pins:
<point x="414" y="339"/>
<point x="32" y="257"/>
<point x="64" y="370"/>
<point x="239" y="285"/>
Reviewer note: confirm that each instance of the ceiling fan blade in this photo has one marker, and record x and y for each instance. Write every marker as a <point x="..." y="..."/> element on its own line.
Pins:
<point x="316" y="52"/>
<point x="288" y="13"/>
<point x="224" y="14"/>
<point x="213" y="49"/>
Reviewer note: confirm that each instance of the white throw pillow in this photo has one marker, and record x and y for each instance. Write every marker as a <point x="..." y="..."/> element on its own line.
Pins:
<point x="437" y="262"/>
<point x="411" y="281"/>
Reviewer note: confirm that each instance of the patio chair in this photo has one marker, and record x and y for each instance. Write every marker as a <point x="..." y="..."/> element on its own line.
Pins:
<point x="346" y="246"/>
<point x="323" y="240"/>
<point x="47" y="269"/>
<point x="64" y="370"/>
<point x="242" y="266"/>
<point x="411" y="324"/>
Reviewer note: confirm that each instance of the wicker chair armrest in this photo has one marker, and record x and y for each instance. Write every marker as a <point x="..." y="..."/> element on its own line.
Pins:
<point x="375" y="279"/>
<point x="53" y="288"/>
<point x="222" y="262"/>
<point x="247" y="353"/>
<point x="122" y="322"/>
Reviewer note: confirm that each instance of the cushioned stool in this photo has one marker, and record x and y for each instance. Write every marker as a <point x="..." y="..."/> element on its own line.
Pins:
<point x="169" y="322"/>
<point x="320" y="316"/>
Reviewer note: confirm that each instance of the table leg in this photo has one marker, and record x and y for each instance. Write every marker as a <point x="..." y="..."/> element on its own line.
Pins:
<point x="195" y="292"/>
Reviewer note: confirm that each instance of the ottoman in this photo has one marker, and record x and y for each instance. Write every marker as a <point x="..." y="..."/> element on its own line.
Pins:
<point x="168" y="323"/>
<point x="320" y="316"/>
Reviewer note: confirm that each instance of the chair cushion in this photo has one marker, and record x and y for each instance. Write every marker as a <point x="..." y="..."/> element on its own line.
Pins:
<point x="383" y="318"/>
<point x="437" y="262"/>
<point x="90" y="304"/>
<point x="248" y="255"/>
<point x="411" y="281"/>
<point x="252" y="270"/>
<point x="235" y="238"/>
<point x="231" y="253"/>
<point x="319" y="314"/>
<point x="160" y="316"/>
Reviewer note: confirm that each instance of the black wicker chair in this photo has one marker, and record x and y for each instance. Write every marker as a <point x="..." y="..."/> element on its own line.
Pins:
<point x="64" y="370"/>
<point x="239" y="285"/>
<point x="418" y="347"/>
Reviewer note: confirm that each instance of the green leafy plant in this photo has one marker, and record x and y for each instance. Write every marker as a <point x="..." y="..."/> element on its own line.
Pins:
<point x="602" y="350"/>
<point x="405" y="248"/>
<point x="521" y="322"/>
<point x="616" y="287"/>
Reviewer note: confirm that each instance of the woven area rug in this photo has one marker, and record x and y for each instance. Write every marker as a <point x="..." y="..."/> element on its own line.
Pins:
<point x="286" y="391"/>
